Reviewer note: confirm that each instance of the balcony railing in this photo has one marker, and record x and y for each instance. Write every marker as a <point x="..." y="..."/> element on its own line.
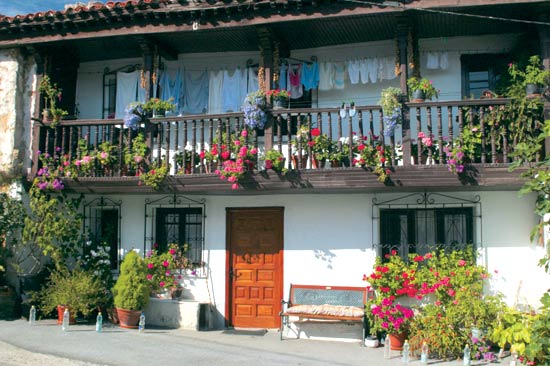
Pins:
<point x="426" y="131"/>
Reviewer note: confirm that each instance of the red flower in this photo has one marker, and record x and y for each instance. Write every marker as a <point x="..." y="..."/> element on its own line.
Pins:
<point x="385" y="289"/>
<point x="428" y="255"/>
<point x="462" y="263"/>
<point x="315" y="132"/>
<point x="311" y="143"/>
<point x="384" y="269"/>
<point x="418" y="258"/>
<point x="202" y="154"/>
<point x="361" y="147"/>
<point x="393" y="252"/>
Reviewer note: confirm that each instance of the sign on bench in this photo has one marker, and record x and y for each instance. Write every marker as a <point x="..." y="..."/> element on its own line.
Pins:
<point x="337" y="303"/>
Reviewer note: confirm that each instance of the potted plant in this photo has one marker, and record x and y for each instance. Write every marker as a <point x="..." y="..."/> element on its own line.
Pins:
<point x="158" y="107"/>
<point x="321" y="147"/>
<point x="533" y="76"/>
<point x="79" y="290"/>
<point x="278" y="98"/>
<point x="236" y="159"/>
<point x="131" y="290"/>
<point x="421" y="89"/>
<point x="161" y="270"/>
<point x="155" y="175"/>
<point x="391" y="109"/>
<point x="275" y="160"/>
<point x="52" y="93"/>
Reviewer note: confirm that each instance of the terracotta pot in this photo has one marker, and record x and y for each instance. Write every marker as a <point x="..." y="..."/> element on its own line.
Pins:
<point x="397" y="341"/>
<point x="61" y="311"/>
<point x="128" y="318"/>
<point x="303" y="164"/>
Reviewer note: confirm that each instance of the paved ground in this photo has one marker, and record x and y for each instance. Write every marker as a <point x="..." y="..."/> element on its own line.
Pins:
<point x="45" y="344"/>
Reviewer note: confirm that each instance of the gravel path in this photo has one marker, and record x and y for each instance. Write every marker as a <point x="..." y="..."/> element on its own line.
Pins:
<point x="14" y="356"/>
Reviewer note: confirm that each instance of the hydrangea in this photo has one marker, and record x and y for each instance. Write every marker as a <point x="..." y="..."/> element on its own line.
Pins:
<point x="390" y="121"/>
<point x="254" y="116"/>
<point x="133" y="116"/>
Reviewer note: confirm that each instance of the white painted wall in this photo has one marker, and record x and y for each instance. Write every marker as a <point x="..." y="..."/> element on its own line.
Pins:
<point x="328" y="240"/>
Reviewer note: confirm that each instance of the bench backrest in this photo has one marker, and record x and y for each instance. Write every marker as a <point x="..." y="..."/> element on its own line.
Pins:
<point x="331" y="295"/>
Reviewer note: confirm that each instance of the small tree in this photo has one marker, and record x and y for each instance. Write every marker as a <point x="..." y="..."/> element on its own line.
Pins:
<point x="131" y="291"/>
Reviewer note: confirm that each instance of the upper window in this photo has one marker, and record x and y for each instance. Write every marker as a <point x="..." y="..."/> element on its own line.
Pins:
<point x="482" y="72"/>
<point x="180" y="226"/>
<point x="423" y="230"/>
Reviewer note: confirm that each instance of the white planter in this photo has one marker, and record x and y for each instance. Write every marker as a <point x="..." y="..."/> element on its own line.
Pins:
<point x="372" y="342"/>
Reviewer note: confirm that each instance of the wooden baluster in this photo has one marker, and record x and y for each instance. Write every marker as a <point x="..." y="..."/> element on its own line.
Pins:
<point x="483" y="138"/>
<point x="418" y="139"/>
<point x="185" y="141"/>
<point x="63" y="136"/>
<point x="255" y="136"/>
<point x="160" y="135"/>
<point x="309" y="152"/>
<point x="393" y="160"/>
<point x="210" y="140"/>
<point x="69" y="151"/>
<point x="202" y="167"/>
<point x="299" y="141"/>
<point x="177" y="149"/>
<point x="329" y="126"/>
<point x="361" y="127"/>
<point x="289" y="138"/>
<point x="193" y="144"/>
<point x="228" y="132"/>
<point x="430" y="133"/>
<point x="442" y="156"/>
<point x="120" y="150"/>
<point x="493" y="145"/>
<point x="279" y="134"/>
<point x="371" y="127"/>
<point x="505" y="145"/>
<point x="350" y="140"/>
<point x="168" y="144"/>
<point x="450" y="122"/>
<point x="220" y="142"/>
<point x="460" y="125"/>
<point x="129" y="143"/>
<point x="339" y="132"/>
<point x="381" y="137"/>
<point x="47" y="140"/>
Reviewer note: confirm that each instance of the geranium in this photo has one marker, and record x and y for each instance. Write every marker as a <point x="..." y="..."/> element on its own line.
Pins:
<point x="236" y="158"/>
<point x="278" y="94"/>
<point x="160" y="268"/>
<point x="392" y="317"/>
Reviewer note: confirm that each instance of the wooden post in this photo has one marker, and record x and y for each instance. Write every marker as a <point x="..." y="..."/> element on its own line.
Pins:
<point x="402" y="34"/>
<point x="266" y="51"/>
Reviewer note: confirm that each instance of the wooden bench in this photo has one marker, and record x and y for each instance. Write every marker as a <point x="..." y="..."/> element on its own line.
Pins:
<point x="338" y="303"/>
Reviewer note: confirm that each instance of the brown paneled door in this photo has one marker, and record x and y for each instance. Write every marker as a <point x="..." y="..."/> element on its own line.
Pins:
<point x="255" y="267"/>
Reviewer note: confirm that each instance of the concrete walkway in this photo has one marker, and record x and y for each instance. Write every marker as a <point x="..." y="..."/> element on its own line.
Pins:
<point x="116" y="346"/>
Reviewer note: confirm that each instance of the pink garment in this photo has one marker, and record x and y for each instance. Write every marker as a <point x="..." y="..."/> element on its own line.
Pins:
<point x="295" y="79"/>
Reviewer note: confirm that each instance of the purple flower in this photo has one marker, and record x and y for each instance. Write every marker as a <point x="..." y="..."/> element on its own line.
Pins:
<point x="42" y="185"/>
<point x="57" y="185"/>
<point x="459" y="155"/>
<point x="460" y="168"/>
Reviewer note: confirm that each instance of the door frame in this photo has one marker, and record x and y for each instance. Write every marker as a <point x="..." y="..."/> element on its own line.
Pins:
<point x="228" y="291"/>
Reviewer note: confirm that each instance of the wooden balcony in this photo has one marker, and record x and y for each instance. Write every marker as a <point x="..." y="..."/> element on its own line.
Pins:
<point x="413" y="163"/>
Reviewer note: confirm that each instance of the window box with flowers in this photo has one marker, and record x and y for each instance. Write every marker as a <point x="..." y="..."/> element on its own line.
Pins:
<point x="278" y="98"/>
<point x="421" y="89"/>
<point x="158" y="107"/>
<point x="275" y="160"/>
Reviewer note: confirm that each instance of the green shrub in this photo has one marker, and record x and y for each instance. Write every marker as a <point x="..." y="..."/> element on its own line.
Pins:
<point x="131" y="291"/>
<point x="78" y="289"/>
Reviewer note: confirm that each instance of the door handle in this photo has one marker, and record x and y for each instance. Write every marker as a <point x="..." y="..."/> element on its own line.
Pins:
<point x="232" y="274"/>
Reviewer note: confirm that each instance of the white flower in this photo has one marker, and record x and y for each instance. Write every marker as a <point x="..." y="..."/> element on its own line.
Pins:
<point x="93" y="253"/>
<point x="88" y="242"/>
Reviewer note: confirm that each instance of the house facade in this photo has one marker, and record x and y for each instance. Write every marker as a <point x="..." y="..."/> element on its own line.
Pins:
<point x="318" y="225"/>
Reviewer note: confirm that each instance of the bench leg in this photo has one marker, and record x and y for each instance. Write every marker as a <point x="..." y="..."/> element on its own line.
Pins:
<point x="284" y="322"/>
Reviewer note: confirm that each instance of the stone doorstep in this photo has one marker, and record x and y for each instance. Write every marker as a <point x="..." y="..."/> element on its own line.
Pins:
<point x="179" y="314"/>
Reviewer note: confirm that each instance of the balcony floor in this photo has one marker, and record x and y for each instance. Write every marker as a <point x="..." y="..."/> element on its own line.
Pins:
<point x="336" y="180"/>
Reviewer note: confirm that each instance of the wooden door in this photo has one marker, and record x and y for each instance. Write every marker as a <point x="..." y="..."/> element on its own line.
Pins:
<point x="255" y="267"/>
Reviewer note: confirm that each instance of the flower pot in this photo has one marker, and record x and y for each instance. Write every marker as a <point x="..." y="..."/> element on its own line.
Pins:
<point x="372" y="342"/>
<point x="303" y="164"/>
<point x="61" y="311"/>
<point x="279" y="103"/>
<point x="397" y="340"/>
<point x="128" y="319"/>
<point x="532" y="90"/>
<point x="418" y="96"/>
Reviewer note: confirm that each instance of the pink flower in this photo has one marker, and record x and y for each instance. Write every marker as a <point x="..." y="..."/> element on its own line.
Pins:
<point x="235" y="186"/>
<point x="461" y="262"/>
<point x="167" y="273"/>
<point x="253" y="151"/>
<point x="149" y="277"/>
<point x="225" y="155"/>
<point x="237" y="143"/>
<point x="421" y="135"/>
<point x="165" y="263"/>
<point x="232" y="179"/>
<point x="202" y="154"/>
<point x="161" y="283"/>
<point x="104" y="155"/>
<point x="244" y="133"/>
<point x="268" y="164"/>
<point x="172" y="251"/>
<point x="150" y="265"/>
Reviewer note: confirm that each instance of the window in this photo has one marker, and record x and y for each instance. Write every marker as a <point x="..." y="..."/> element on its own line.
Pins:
<point x="423" y="230"/>
<point x="482" y="72"/>
<point x="103" y="227"/>
<point x="180" y="226"/>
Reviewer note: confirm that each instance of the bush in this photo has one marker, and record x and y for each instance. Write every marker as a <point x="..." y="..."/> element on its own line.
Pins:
<point x="131" y="291"/>
<point x="78" y="289"/>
